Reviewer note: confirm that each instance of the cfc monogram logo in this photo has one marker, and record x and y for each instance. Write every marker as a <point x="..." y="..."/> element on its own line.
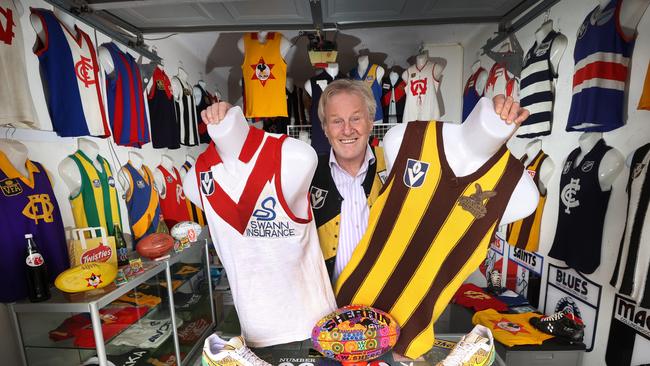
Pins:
<point x="85" y="71"/>
<point x="569" y="193"/>
<point x="7" y="33"/>
<point x="39" y="207"/>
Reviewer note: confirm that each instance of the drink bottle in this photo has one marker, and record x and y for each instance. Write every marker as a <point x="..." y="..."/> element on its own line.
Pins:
<point x="38" y="284"/>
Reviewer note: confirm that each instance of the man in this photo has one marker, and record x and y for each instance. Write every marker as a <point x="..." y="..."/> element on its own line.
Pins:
<point x="348" y="180"/>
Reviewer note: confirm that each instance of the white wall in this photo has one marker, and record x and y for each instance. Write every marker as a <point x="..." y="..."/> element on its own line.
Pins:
<point x="49" y="149"/>
<point x="567" y="16"/>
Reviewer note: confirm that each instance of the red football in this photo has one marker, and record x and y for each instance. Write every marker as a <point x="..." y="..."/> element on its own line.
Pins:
<point x="155" y="245"/>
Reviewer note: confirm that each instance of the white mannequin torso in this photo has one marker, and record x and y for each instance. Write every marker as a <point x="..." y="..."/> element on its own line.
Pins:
<point x="481" y="78"/>
<point x="611" y="164"/>
<point x="190" y="159"/>
<point x="362" y="66"/>
<point x="168" y="163"/>
<point x="136" y="161"/>
<point x="285" y="44"/>
<point x="331" y="69"/>
<point x="68" y="169"/>
<point x="547" y="167"/>
<point x="177" y="87"/>
<point x="297" y="167"/>
<point x="468" y="146"/>
<point x="66" y="19"/>
<point x="16" y="153"/>
<point x="629" y="15"/>
<point x="393" y="76"/>
<point x="196" y="90"/>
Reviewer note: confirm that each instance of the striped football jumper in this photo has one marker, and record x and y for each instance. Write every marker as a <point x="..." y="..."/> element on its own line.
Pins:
<point x="428" y="230"/>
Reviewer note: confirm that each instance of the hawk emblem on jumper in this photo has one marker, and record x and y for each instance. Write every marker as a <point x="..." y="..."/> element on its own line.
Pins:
<point x="474" y="202"/>
<point x="317" y="196"/>
<point x="263" y="71"/>
<point x="415" y="173"/>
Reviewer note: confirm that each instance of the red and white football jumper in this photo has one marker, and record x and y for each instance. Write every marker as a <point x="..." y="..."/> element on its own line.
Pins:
<point x="172" y="200"/>
<point x="421" y="94"/>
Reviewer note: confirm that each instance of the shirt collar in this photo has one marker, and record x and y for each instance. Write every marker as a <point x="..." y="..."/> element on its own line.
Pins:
<point x="367" y="160"/>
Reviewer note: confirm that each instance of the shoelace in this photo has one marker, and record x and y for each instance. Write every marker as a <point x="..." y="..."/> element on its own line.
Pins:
<point x="249" y="356"/>
<point x="460" y="351"/>
<point x="551" y="318"/>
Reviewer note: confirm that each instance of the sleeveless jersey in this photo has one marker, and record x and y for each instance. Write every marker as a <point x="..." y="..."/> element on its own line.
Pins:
<point x="500" y="81"/>
<point x="511" y="329"/>
<point x="524" y="234"/>
<point x="370" y="78"/>
<point x="412" y="271"/>
<point x="14" y="87"/>
<point x="602" y="55"/>
<point x="470" y="95"/>
<point x="632" y="268"/>
<point x="536" y="92"/>
<point x="195" y="213"/>
<point x="283" y="288"/>
<point x="265" y="77"/>
<point x="393" y="99"/>
<point x="165" y="131"/>
<point x="126" y="100"/>
<point x="421" y="94"/>
<point x="70" y="73"/>
<point x="318" y="139"/>
<point x="28" y="205"/>
<point x="204" y="103"/>
<point x="186" y="114"/>
<point x="141" y="201"/>
<point x="96" y="203"/>
<point x="583" y="206"/>
<point x="172" y="201"/>
<point x="644" y="102"/>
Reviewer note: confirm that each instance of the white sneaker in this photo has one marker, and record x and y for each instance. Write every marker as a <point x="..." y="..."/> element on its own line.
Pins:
<point x="218" y="352"/>
<point x="476" y="348"/>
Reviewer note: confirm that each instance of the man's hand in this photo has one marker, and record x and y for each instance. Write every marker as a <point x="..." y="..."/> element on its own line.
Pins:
<point x="509" y="110"/>
<point x="215" y="113"/>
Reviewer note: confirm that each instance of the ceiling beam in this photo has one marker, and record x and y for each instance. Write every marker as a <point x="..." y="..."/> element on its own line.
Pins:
<point x="316" y="13"/>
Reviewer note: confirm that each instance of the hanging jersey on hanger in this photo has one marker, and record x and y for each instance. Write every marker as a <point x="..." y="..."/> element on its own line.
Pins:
<point x="421" y="94"/>
<point x="141" y="201"/>
<point x="172" y="201"/>
<point x="165" y="131"/>
<point x="500" y="81"/>
<point x="204" y="103"/>
<point x="126" y="100"/>
<point x="370" y="78"/>
<point x="70" y="76"/>
<point x="471" y="96"/>
<point x="186" y="114"/>
<point x="393" y="99"/>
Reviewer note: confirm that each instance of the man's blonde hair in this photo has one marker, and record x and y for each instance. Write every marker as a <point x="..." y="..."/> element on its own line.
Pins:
<point x="356" y="87"/>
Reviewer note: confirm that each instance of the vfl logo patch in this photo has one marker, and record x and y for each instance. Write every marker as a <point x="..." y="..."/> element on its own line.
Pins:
<point x="474" y="202"/>
<point x="10" y="187"/>
<point x="542" y="49"/>
<point x="567" y="166"/>
<point x="140" y="183"/>
<point x="267" y="212"/>
<point x="587" y="166"/>
<point x="568" y="195"/>
<point x="169" y="179"/>
<point x="207" y="183"/>
<point x="415" y="173"/>
<point x="383" y="175"/>
<point x="111" y="181"/>
<point x="638" y="169"/>
<point x="317" y="196"/>
<point x="97" y="183"/>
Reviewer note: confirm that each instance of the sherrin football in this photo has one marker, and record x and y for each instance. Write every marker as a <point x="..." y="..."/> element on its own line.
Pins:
<point x="87" y="276"/>
<point x="186" y="229"/>
<point x="355" y="333"/>
<point x="154" y="245"/>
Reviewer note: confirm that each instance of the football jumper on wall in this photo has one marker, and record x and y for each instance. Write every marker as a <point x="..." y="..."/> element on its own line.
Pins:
<point x="500" y="81"/>
<point x="632" y="266"/>
<point x="283" y="289"/>
<point x="165" y="131"/>
<point x="204" y="103"/>
<point x="524" y="234"/>
<point x="28" y="206"/>
<point x="70" y="79"/>
<point x="536" y="92"/>
<point x="318" y="139"/>
<point x="172" y="201"/>
<point x="583" y="205"/>
<point x="195" y="213"/>
<point x="421" y="94"/>
<point x="393" y="99"/>
<point x="14" y="86"/>
<point x="141" y="201"/>
<point x="602" y="55"/>
<point x="186" y="114"/>
<point x="96" y="203"/>
<point x="265" y="77"/>
<point x="412" y="271"/>
<point x="126" y="100"/>
<point x="370" y="78"/>
<point x="644" y="102"/>
<point x="470" y="95"/>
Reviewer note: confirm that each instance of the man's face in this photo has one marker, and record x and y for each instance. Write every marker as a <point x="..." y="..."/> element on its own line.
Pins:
<point x="347" y="126"/>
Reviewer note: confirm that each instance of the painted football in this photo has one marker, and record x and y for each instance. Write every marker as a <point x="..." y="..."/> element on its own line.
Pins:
<point x="155" y="245"/>
<point x="186" y="229"/>
<point x="355" y="333"/>
<point x="87" y="276"/>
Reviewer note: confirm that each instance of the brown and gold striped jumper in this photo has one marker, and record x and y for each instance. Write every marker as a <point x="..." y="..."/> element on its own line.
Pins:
<point x="427" y="231"/>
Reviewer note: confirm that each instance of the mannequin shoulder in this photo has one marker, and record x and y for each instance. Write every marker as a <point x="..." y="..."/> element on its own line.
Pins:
<point x="392" y="142"/>
<point x="240" y="44"/>
<point x="630" y="14"/>
<point x="523" y="201"/>
<point x="295" y="151"/>
<point x="612" y="162"/>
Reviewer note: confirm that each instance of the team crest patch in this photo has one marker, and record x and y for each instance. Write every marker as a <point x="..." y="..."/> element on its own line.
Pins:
<point x="415" y="173"/>
<point x="383" y="175"/>
<point x="140" y="183"/>
<point x="587" y="166"/>
<point x="263" y="71"/>
<point x="186" y="92"/>
<point x="97" y="183"/>
<point x="567" y="304"/>
<point x="567" y="166"/>
<point x="318" y="197"/>
<point x="532" y="173"/>
<point x="160" y="85"/>
<point x="638" y="169"/>
<point x="207" y="183"/>
<point x="569" y="193"/>
<point x="542" y="49"/>
<point x="10" y="187"/>
<point x="169" y="179"/>
<point x="474" y="202"/>
<point x="509" y="326"/>
<point x="111" y="181"/>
